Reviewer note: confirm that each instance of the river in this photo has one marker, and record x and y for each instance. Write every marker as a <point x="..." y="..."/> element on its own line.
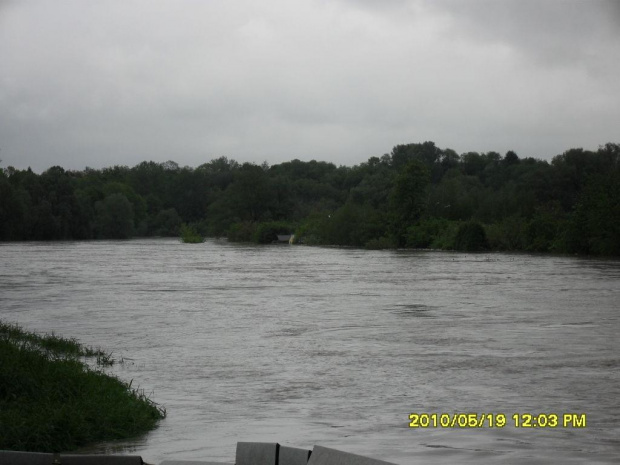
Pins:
<point x="333" y="346"/>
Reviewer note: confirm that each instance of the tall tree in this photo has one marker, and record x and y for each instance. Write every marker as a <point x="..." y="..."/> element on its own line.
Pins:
<point x="114" y="217"/>
<point x="408" y="198"/>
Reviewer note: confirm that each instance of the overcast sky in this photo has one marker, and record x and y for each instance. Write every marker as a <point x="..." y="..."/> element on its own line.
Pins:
<point x="101" y="83"/>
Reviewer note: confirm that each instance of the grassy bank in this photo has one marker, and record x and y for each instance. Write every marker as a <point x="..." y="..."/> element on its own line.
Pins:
<point x="51" y="401"/>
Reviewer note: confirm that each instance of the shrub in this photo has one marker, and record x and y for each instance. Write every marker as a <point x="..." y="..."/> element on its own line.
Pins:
<point x="351" y="224"/>
<point x="425" y="232"/>
<point x="471" y="237"/>
<point x="309" y="232"/>
<point x="266" y="233"/>
<point x="507" y="235"/>
<point x="190" y="235"/>
<point x="241" y="232"/>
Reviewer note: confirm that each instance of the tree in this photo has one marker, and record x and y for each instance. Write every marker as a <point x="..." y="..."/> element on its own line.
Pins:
<point x="167" y="223"/>
<point x="594" y="225"/>
<point x="471" y="237"/>
<point x="374" y="189"/>
<point x="266" y="233"/>
<point x="45" y="225"/>
<point x="114" y="217"/>
<point x="473" y="163"/>
<point x="83" y="219"/>
<point x="511" y="158"/>
<point x="251" y="194"/>
<point x="220" y="171"/>
<point x="449" y="160"/>
<point x="13" y="211"/>
<point x="138" y="203"/>
<point x="427" y="153"/>
<point x="408" y="198"/>
<point x="190" y="193"/>
<point x="455" y="197"/>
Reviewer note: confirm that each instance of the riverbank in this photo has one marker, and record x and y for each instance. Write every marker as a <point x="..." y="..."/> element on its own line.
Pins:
<point x="52" y="401"/>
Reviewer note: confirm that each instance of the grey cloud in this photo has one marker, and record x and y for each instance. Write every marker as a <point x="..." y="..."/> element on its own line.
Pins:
<point x="117" y="82"/>
<point x="554" y="31"/>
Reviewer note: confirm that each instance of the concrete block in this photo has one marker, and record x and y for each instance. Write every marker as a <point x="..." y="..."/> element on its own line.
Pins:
<point x="257" y="453"/>
<point x="293" y="456"/>
<point x="9" y="457"/>
<point x="325" y="456"/>
<point x="79" y="459"/>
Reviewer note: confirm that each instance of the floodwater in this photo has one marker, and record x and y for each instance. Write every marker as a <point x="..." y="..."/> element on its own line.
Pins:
<point x="336" y="347"/>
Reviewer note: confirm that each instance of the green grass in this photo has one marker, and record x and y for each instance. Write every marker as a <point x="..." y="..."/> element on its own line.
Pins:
<point x="51" y="401"/>
<point x="48" y="342"/>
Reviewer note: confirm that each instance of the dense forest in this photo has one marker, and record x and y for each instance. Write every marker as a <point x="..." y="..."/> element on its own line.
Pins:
<point x="418" y="196"/>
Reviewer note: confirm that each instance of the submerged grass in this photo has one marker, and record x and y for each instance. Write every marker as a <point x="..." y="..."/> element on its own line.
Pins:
<point x="51" y="401"/>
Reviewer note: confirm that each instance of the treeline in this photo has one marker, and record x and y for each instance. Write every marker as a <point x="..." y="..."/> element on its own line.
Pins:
<point x="418" y="196"/>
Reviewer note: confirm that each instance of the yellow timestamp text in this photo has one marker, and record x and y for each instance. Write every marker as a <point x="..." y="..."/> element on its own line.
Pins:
<point x="497" y="420"/>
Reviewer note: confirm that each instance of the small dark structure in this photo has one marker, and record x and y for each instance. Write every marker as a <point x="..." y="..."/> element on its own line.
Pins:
<point x="285" y="237"/>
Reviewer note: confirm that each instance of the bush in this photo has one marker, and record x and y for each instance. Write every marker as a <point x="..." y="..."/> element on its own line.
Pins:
<point x="544" y="231"/>
<point x="190" y="235"/>
<point x="309" y="232"/>
<point x="423" y="234"/>
<point x="266" y="233"/>
<point x="241" y="232"/>
<point x="351" y="224"/>
<point x="507" y="235"/>
<point x="445" y="239"/>
<point x="471" y="237"/>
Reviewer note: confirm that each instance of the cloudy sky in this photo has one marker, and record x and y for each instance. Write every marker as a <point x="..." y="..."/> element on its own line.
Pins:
<point x="100" y="83"/>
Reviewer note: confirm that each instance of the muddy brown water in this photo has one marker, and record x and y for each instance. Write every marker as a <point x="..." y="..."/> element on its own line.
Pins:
<point x="310" y="345"/>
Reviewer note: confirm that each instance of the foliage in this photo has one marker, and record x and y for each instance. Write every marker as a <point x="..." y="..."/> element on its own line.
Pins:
<point x="309" y="231"/>
<point x="408" y="198"/>
<point x="424" y="233"/>
<point x="415" y="196"/>
<point x="167" y="223"/>
<point x="471" y="237"/>
<point x="190" y="235"/>
<point x="446" y="239"/>
<point x="50" y="401"/>
<point x="508" y="234"/>
<point x="542" y="231"/>
<point x="266" y="233"/>
<point x="351" y="224"/>
<point x="594" y="225"/>
<point x="243" y="231"/>
<point x="114" y="217"/>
